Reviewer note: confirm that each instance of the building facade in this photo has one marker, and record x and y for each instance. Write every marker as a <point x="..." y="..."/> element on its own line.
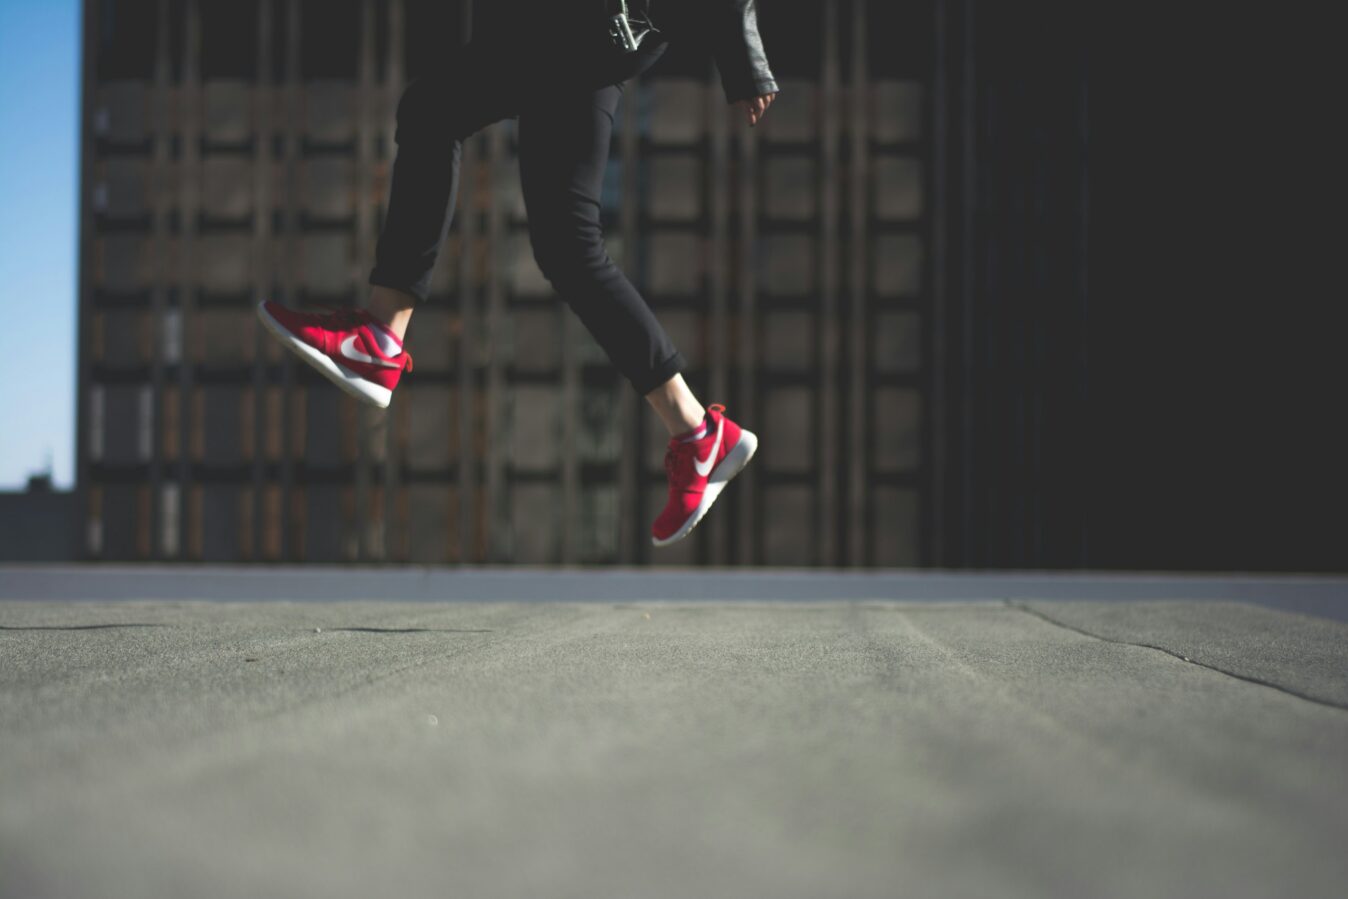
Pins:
<point x="235" y="150"/>
<point x="38" y="524"/>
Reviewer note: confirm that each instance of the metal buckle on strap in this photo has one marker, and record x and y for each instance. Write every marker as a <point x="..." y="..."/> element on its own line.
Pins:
<point x="621" y="33"/>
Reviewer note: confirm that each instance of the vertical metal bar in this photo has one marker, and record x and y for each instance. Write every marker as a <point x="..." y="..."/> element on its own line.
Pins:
<point x="189" y="271"/>
<point x="499" y="537"/>
<point x="570" y="328"/>
<point x="291" y="99"/>
<point x="718" y="178"/>
<point x="968" y="195"/>
<point x="631" y="467"/>
<point x="935" y="355"/>
<point x="368" y="420"/>
<point x="262" y="270"/>
<point x="570" y="406"/>
<point x="824" y="429"/>
<point x="467" y="383"/>
<point x="387" y="126"/>
<point x="1083" y="396"/>
<point x="860" y="236"/>
<point x="83" y="469"/>
<point x="158" y="300"/>
<point x="750" y="548"/>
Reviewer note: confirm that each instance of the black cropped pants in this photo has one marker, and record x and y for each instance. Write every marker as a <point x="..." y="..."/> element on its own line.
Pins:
<point x="566" y="111"/>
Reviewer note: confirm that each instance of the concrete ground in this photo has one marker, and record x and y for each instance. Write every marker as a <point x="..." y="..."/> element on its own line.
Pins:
<point x="866" y="747"/>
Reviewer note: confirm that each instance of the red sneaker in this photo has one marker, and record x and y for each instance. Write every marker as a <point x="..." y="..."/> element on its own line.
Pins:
<point x="350" y="347"/>
<point x="698" y="471"/>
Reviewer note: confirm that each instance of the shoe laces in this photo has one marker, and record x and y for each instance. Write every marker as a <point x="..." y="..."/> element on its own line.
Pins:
<point x="341" y="316"/>
<point x="351" y="316"/>
<point x="680" y="455"/>
<point x="675" y="459"/>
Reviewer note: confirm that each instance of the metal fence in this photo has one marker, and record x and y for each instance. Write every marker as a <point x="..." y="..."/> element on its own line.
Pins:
<point x="239" y="150"/>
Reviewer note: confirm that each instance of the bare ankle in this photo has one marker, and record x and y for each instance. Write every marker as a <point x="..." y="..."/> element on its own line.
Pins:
<point x="674" y="402"/>
<point x="391" y="307"/>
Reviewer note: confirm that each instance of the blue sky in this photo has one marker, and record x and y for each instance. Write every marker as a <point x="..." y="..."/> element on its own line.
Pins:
<point x="39" y="233"/>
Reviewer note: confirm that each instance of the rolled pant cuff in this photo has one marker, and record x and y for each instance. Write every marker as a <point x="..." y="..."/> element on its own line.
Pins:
<point x="662" y="372"/>
<point x="419" y="290"/>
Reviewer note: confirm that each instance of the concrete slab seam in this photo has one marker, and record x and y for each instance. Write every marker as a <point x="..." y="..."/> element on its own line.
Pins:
<point x="1183" y="658"/>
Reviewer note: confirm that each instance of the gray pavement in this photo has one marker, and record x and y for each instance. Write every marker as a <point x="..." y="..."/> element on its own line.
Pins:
<point x="1322" y="595"/>
<point x="867" y="748"/>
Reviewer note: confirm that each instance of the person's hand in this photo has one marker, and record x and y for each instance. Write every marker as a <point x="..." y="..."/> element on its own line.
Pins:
<point x="756" y="107"/>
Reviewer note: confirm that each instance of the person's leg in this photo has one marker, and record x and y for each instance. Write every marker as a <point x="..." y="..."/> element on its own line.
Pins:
<point x="361" y="350"/>
<point x="392" y="307"/>
<point x="436" y="111"/>
<point x="563" y="146"/>
<point x="677" y="407"/>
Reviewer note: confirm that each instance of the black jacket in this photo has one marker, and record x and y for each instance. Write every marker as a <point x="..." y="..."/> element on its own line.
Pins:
<point x="549" y="30"/>
<point x="729" y="28"/>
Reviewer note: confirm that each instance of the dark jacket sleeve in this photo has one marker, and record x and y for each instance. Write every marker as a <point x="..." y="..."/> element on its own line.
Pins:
<point x="738" y="49"/>
<point x="729" y="28"/>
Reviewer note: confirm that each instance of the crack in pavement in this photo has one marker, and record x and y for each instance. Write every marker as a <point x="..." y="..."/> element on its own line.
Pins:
<point x="1249" y="679"/>
<point x="413" y="630"/>
<point x="71" y="627"/>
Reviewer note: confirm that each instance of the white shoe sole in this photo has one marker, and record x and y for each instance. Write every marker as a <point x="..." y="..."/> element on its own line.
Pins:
<point x="731" y="465"/>
<point x="343" y="377"/>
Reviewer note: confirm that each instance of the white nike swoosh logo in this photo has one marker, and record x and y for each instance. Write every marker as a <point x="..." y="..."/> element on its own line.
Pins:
<point x="349" y="351"/>
<point x="703" y="466"/>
